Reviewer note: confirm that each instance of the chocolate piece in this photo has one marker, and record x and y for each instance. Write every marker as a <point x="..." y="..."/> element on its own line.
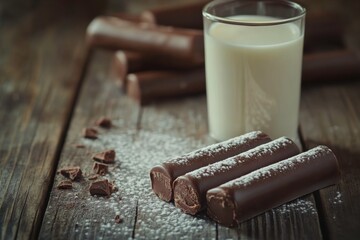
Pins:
<point x="162" y="176"/>
<point x="65" y="184"/>
<point x="101" y="188"/>
<point x="271" y="186"/>
<point x="184" y="47"/>
<point x="337" y="65"/>
<point x="190" y="189"/>
<point x="104" y="122"/>
<point x="90" y="133"/>
<point x="107" y="156"/>
<point x="101" y="169"/>
<point x="147" y="86"/>
<point x="186" y="15"/>
<point x="118" y="219"/>
<point x="73" y="173"/>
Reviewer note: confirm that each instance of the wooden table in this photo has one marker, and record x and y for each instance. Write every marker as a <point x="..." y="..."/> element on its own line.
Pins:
<point x="51" y="88"/>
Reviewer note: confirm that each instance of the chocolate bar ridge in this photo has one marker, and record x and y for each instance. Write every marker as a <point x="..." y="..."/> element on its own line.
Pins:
<point x="250" y="195"/>
<point x="162" y="176"/>
<point x="190" y="189"/>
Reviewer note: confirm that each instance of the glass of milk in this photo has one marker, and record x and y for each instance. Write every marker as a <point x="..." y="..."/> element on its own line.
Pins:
<point x="253" y="57"/>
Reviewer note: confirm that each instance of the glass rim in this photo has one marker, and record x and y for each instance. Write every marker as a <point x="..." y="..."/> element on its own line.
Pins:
<point x="206" y="14"/>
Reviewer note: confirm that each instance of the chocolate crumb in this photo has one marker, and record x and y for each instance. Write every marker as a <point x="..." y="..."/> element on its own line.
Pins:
<point x="118" y="219"/>
<point x="65" y="184"/>
<point x="104" y="122"/>
<point x="101" y="188"/>
<point x="105" y="157"/>
<point x="114" y="188"/>
<point x="73" y="173"/>
<point x="101" y="169"/>
<point x="90" y="133"/>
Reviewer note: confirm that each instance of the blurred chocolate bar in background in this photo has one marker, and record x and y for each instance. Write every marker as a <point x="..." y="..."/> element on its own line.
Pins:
<point x="144" y="87"/>
<point x="125" y="62"/>
<point x="184" y="47"/>
<point x="323" y="31"/>
<point x="335" y="65"/>
<point x="183" y="16"/>
<point x="160" y="51"/>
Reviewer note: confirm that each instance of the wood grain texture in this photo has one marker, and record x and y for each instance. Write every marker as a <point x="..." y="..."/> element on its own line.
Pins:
<point x="143" y="138"/>
<point x="74" y="213"/>
<point x="41" y="61"/>
<point x="140" y="145"/>
<point x="41" y="58"/>
<point x="330" y="115"/>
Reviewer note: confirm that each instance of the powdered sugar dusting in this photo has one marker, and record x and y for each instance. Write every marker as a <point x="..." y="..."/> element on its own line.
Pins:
<point x="279" y="167"/>
<point x="215" y="148"/>
<point x="337" y="199"/>
<point x="297" y="206"/>
<point x="136" y="154"/>
<point x="250" y="155"/>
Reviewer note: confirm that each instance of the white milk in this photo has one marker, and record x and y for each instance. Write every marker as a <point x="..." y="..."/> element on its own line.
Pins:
<point x="253" y="78"/>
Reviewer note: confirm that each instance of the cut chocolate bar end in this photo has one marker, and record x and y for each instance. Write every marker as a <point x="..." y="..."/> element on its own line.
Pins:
<point x="161" y="183"/>
<point x="221" y="207"/>
<point x="186" y="196"/>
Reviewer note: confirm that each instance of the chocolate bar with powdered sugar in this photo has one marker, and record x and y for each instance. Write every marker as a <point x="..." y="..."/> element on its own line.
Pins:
<point x="162" y="176"/>
<point x="190" y="189"/>
<point x="252" y="194"/>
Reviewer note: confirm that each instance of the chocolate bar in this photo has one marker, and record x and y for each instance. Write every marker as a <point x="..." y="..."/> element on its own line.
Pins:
<point x="152" y="85"/>
<point x="185" y="16"/>
<point x="182" y="46"/>
<point x="162" y="176"/>
<point x="125" y="62"/>
<point x="268" y="187"/>
<point x="331" y="66"/>
<point x="190" y="189"/>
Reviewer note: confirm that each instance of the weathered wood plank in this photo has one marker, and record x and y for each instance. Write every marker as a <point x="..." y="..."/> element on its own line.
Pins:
<point x="74" y="213"/>
<point x="330" y="115"/>
<point x="143" y="138"/>
<point x="41" y="58"/>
